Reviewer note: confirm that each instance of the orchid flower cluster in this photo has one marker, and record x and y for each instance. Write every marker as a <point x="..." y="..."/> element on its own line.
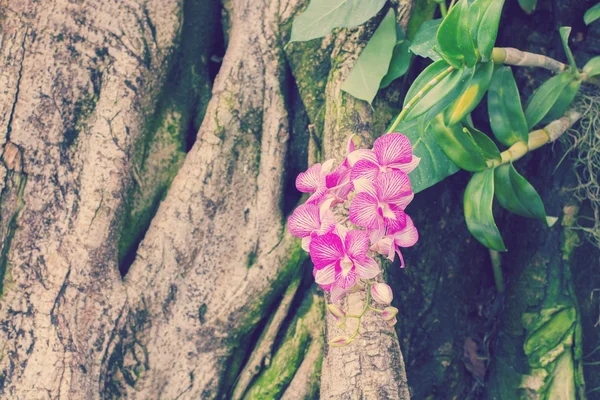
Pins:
<point x="370" y="189"/>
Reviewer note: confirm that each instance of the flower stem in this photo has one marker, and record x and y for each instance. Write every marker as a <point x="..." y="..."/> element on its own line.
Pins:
<point x="364" y="310"/>
<point x="497" y="268"/>
<point x="430" y="85"/>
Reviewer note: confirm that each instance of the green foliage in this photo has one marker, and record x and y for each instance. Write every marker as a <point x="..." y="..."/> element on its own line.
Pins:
<point x="565" y="31"/>
<point x="401" y="57"/>
<point x="486" y="145"/>
<point x="545" y="98"/>
<point x="592" y="14"/>
<point x="485" y="18"/>
<point x="517" y="195"/>
<point x="478" y="200"/>
<point x="321" y="16"/>
<point x="428" y="78"/>
<point x="459" y="146"/>
<point x="592" y="67"/>
<point x="454" y="37"/>
<point x="472" y="95"/>
<point x="504" y="108"/>
<point x="425" y="40"/>
<point x="434" y="166"/>
<point x="372" y="65"/>
<point x="528" y="5"/>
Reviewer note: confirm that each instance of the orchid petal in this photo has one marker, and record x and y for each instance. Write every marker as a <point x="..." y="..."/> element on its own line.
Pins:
<point x="326" y="250"/>
<point x="408" y="167"/>
<point x="356" y="244"/>
<point x="327" y="166"/>
<point x="337" y="293"/>
<point x="407" y="236"/>
<point x="363" y="210"/>
<point x="350" y="145"/>
<point x="361" y="154"/>
<point x="392" y="186"/>
<point x="392" y="148"/>
<point x="304" y="220"/>
<point x="397" y="220"/>
<point x="363" y="185"/>
<point x="310" y="180"/>
<point x="341" y="231"/>
<point x="326" y="275"/>
<point x="367" y="268"/>
<point x="306" y="243"/>
<point x="345" y="281"/>
<point x="337" y="176"/>
<point x="365" y="169"/>
<point x="402" y="202"/>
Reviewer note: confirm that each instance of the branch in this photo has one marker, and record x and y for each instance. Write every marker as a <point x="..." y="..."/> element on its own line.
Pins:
<point x="512" y="56"/>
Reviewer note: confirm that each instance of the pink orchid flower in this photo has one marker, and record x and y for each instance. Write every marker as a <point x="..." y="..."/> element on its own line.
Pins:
<point x="309" y="220"/>
<point x="405" y="237"/>
<point x="381" y="205"/>
<point x="391" y="152"/>
<point x="314" y="180"/>
<point x="339" y="261"/>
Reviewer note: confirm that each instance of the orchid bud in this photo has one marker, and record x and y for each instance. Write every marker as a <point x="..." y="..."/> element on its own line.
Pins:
<point x="392" y="321"/>
<point x="382" y="293"/>
<point x="340" y="341"/>
<point x="337" y="312"/>
<point x="389" y="313"/>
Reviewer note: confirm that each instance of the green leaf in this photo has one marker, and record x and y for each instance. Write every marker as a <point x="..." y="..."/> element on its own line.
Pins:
<point x="528" y="5"/>
<point x="401" y="57"/>
<point x="565" y="31"/>
<point x="425" y="40"/>
<point x="321" y="16"/>
<point x="472" y="95"/>
<point x="592" y="14"/>
<point x="517" y="195"/>
<point x="486" y="145"/>
<point x="421" y="12"/>
<point x="504" y="108"/>
<point x="433" y="96"/>
<point x="485" y="18"/>
<point x="592" y="67"/>
<point x="372" y="64"/>
<point x="447" y="99"/>
<point x="544" y="98"/>
<point x="459" y="146"/>
<point x="454" y="37"/>
<point x="565" y="99"/>
<point x="434" y="166"/>
<point x="478" y="200"/>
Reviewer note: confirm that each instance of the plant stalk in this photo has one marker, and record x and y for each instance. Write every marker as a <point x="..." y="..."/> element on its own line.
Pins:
<point x="537" y="138"/>
<point x="512" y="56"/>
<point x="430" y="85"/>
<point x="497" y="268"/>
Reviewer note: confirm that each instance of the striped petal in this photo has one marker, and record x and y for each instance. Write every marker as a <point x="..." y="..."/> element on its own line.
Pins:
<point x="392" y="186"/>
<point x="305" y="220"/>
<point x="326" y="275"/>
<point x="356" y="244"/>
<point x="310" y="180"/>
<point x="395" y="220"/>
<point x="361" y="154"/>
<point x="363" y="210"/>
<point x="367" y="268"/>
<point x="392" y="148"/>
<point x="337" y="293"/>
<point x="407" y="236"/>
<point x="365" y="169"/>
<point x="345" y="281"/>
<point x="326" y="250"/>
<point x="408" y="167"/>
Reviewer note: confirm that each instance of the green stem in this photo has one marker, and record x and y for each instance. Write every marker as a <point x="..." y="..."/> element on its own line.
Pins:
<point x="430" y="85"/>
<point x="364" y="310"/>
<point x="497" y="268"/>
<point x="443" y="8"/>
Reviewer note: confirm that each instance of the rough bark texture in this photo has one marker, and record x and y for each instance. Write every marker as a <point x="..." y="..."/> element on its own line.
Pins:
<point x="78" y="81"/>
